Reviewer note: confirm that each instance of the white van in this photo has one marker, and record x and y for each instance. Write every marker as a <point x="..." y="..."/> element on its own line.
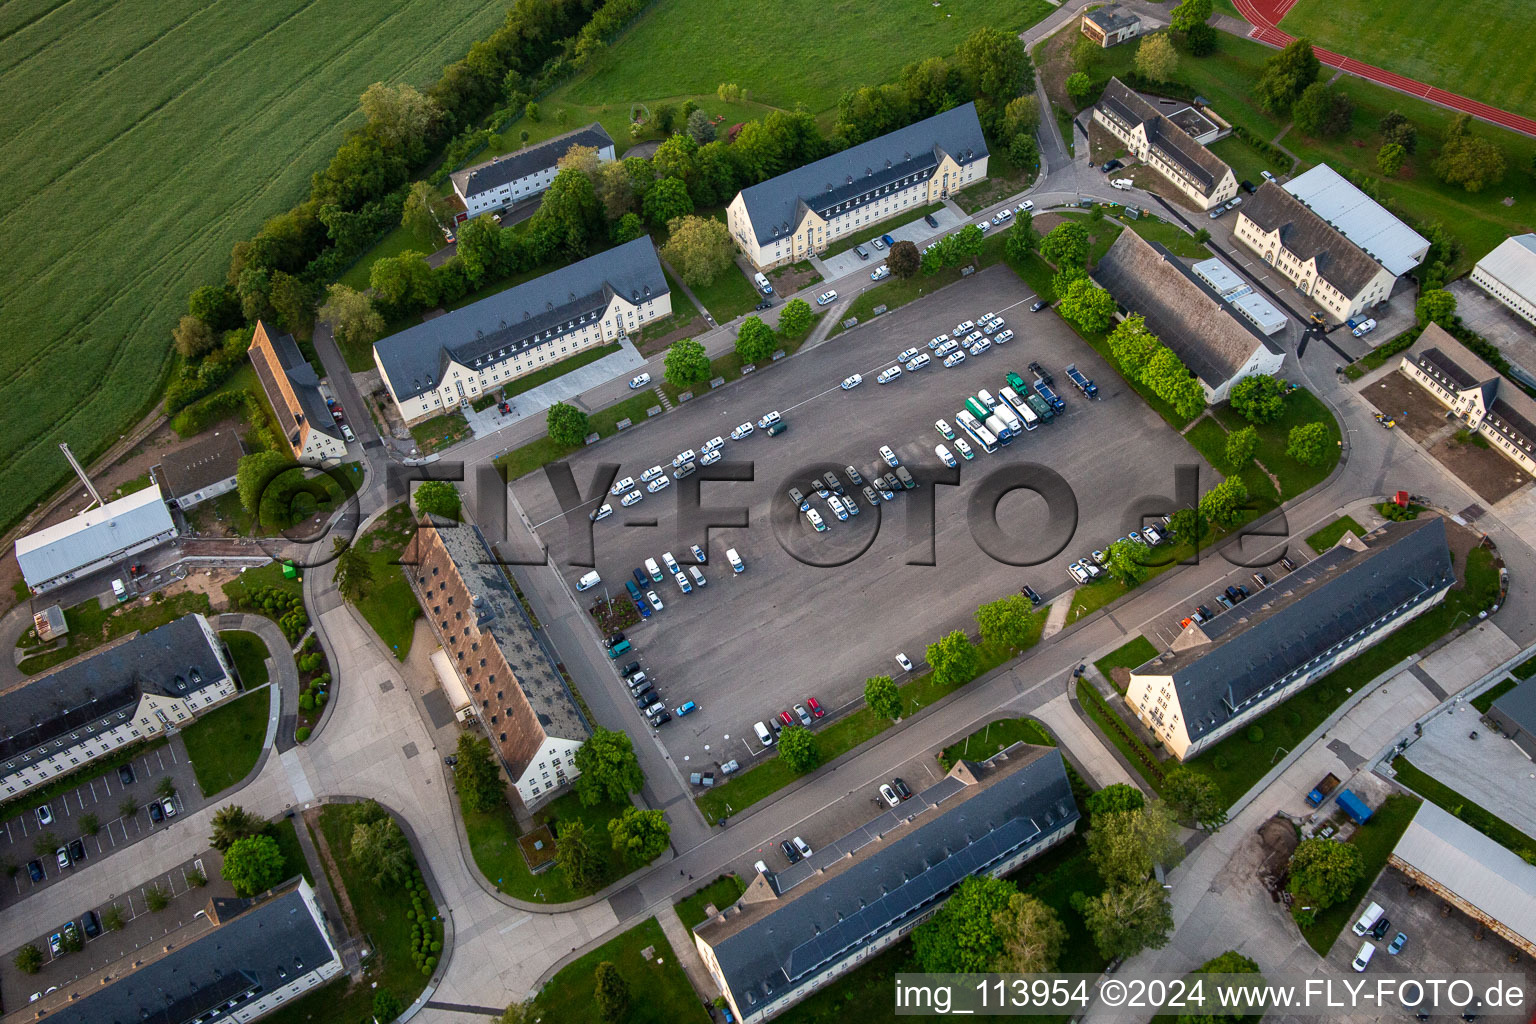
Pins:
<point x="762" y="284"/>
<point x="735" y="560"/>
<point x="1368" y="919"/>
<point x="1363" y="958"/>
<point x="763" y="735"/>
<point x="589" y="581"/>
<point x="698" y="577"/>
<point x="654" y="569"/>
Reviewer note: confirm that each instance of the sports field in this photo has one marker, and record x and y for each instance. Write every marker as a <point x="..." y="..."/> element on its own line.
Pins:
<point x="138" y="142"/>
<point x="785" y="52"/>
<point x="1476" y="48"/>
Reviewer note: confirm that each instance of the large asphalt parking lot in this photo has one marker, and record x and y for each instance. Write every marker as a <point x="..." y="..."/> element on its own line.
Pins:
<point x="749" y="645"/>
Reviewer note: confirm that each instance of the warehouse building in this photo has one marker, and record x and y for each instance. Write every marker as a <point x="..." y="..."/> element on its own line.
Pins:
<point x="1515" y="715"/>
<point x="1365" y="222"/>
<point x="95" y="539"/>
<point x="1508" y="273"/>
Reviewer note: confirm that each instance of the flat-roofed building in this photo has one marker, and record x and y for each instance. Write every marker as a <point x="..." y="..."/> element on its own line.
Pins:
<point x="801" y="212"/>
<point x="1508" y="273"/>
<point x="522" y="702"/>
<point x="513" y="177"/>
<point x="95" y="539"/>
<point x="1157" y="141"/>
<point x="1222" y="673"/>
<point x="1365" y="222"/>
<point x="134" y="690"/>
<point x="1476" y="394"/>
<point x="1515" y="715"/>
<point x="293" y="389"/>
<point x="450" y="360"/>
<point x="792" y="933"/>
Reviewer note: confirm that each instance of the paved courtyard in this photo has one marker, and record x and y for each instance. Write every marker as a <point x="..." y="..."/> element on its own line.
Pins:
<point x="916" y="231"/>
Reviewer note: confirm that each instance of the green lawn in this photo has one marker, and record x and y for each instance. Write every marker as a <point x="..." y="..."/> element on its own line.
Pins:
<point x="287" y="837"/>
<point x="1236" y="762"/>
<point x="91" y="625"/>
<point x="1375" y="840"/>
<point x="1452" y="802"/>
<point x="685" y="48"/>
<point x="1329" y="535"/>
<point x="399" y="240"/>
<point x="896" y="220"/>
<point x="389" y="605"/>
<point x="995" y="736"/>
<point x="1174" y="238"/>
<point x="440" y="431"/>
<point x="894" y="292"/>
<point x="722" y="892"/>
<point x="249" y="653"/>
<point x="1440" y="42"/>
<point x="101" y="95"/>
<point x="658" y="993"/>
<point x="493" y="843"/>
<point x="250" y="581"/>
<point x="1121" y="735"/>
<point x="1484" y="700"/>
<point x="1247" y="163"/>
<point x="224" y="744"/>
<point x="1137" y="651"/>
<point x="1209" y="438"/>
<point x="729" y="295"/>
<point x="1301" y="406"/>
<point x="1090" y="597"/>
<point x="684" y="312"/>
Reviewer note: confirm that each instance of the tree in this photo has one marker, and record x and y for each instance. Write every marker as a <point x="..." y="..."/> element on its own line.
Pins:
<point x="215" y="307"/>
<point x="1022" y="238"/>
<point x="1156" y="59"/>
<point x="517" y="1013"/>
<point x="1124" y="920"/>
<point x="352" y="574"/>
<point x="1190" y="14"/>
<point x="1324" y="872"/>
<point x="254" y="474"/>
<point x="568" y="426"/>
<point x="1194" y="794"/>
<point x="438" y="498"/>
<point x="1067" y="243"/>
<point x="699" y="249"/>
<point x="419" y="213"/>
<point x="1286" y="75"/>
<point x="1395" y="128"/>
<point x="476" y="775"/>
<point x="1436" y="306"/>
<point x="965" y="244"/>
<point x="1031" y="935"/>
<point x="954" y="659"/>
<point x="1125" y="845"/>
<point x="1223" y="504"/>
<point x="1258" y="398"/>
<point x="1390" y="158"/>
<point x="1322" y="110"/>
<point x="686" y="363"/>
<point x="386" y="1006"/>
<point x="883" y="698"/>
<point x="1087" y="305"/>
<point x="614" y="188"/>
<point x="796" y="317"/>
<point x="569" y="213"/>
<point x="797" y="746"/>
<point x="232" y="823"/>
<point x="1009" y="622"/>
<point x="1126" y="560"/>
<point x="1132" y="345"/>
<point x="668" y="199"/>
<point x="675" y="158"/>
<point x="904" y="260"/>
<point x="399" y="116"/>
<point x="1467" y="160"/>
<point x="1307" y="443"/>
<point x="665" y="118"/>
<point x="1230" y="962"/>
<point x="1200" y="41"/>
<point x="253" y="864"/>
<point x="627" y="228"/>
<point x="1079" y="85"/>
<point x="701" y="128"/>
<point x="381" y="851"/>
<point x="577" y="860"/>
<point x="1024" y="152"/>
<point x="582" y="158"/>
<point x="610" y="992"/>
<point x="254" y="289"/>
<point x="192" y="336"/>
<point x="1169" y="379"/>
<point x="1115" y="798"/>
<point x="1202" y="236"/>
<point x="1241" y="444"/>
<point x="481" y="250"/>
<point x="531" y="112"/>
<point x="995" y="64"/>
<point x="960" y="937"/>
<point x="754" y="340"/>
<point x="608" y="768"/>
<point x="405" y="283"/>
<point x="351" y="316"/>
<point x="29" y="959"/>
<point x="1022" y="115"/>
<point x="639" y="836"/>
<point x="166" y="787"/>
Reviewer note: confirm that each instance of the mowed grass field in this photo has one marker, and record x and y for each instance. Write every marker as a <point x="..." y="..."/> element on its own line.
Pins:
<point x="138" y="142"/>
<point x="1475" y="48"/>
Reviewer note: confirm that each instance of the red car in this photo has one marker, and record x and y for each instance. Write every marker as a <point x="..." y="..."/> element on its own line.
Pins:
<point x="816" y="709"/>
<point x="787" y="718"/>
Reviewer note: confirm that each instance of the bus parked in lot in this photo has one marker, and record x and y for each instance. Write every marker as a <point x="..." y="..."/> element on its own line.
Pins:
<point x="1011" y="398"/>
<point x="980" y="434"/>
<point x="976" y="408"/>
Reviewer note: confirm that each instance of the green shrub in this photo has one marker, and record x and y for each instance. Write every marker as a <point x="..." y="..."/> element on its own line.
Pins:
<point x="302" y="734"/>
<point x="1255" y="734"/>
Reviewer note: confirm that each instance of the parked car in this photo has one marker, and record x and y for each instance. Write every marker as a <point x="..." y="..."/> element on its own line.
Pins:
<point x="826" y="298"/>
<point x="1029" y="592"/>
<point x="1026" y="206"/>
<point x="90" y="924"/>
<point x="853" y="381"/>
<point x="1077" y="572"/>
<point x="816" y="709"/>
<point x="889" y="456"/>
<point x="44" y="815"/>
<point x="880" y="273"/>
<point x="1039" y="304"/>
<point x="802" y="846"/>
<point x="953" y="359"/>
<point x="1398" y="942"/>
<point x="632" y="498"/>
<point x="640" y="381"/>
<point x="964" y="448"/>
<point x="35" y="870"/>
<point x="919" y="361"/>
<point x="943" y="427"/>
<point x="62" y="856"/>
<point x="621" y="486"/>
<point x="742" y="431"/>
<point x="901" y="788"/>
<point x="815" y="520"/>
<point x="77" y="850"/>
<point x="889" y="795"/>
<point x="658" y="485"/>
<point x="934" y="343"/>
<point x="601" y="512"/>
<point x="169" y="803"/>
<point x="905" y="662"/>
<point x="887" y="375"/>
<point x="803" y="715"/>
<point x="944" y="456"/>
<point x="789" y="851"/>
<point x="125" y="774"/>
<point x="878" y="243"/>
<point x="928" y="217"/>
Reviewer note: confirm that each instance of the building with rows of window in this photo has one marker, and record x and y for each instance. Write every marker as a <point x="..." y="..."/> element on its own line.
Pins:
<point x="801" y="212"/>
<point x="1508" y="273"/>
<point x="1476" y="394"/>
<point x="293" y="388"/>
<point x="1220" y="674"/>
<point x="140" y="688"/>
<point x="513" y="177"/>
<point x="449" y="361"/>
<point x="1160" y="143"/>
<point x="518" y="696"/>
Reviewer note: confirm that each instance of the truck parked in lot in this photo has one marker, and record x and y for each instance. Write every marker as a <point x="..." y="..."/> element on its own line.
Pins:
<point x="1081" y="382"/>
<point x="999" y="429"/>
<point x="1010" y="418"/>
<point x="1321" y="791"/>
<point x="1052" y="399"/>
<point x="977" y="408"/>
<point x="1354" y="807"/>
<point x="1041" y="406"/>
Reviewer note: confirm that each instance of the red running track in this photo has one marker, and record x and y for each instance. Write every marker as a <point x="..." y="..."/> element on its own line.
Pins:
<point x="1265" y="15"/>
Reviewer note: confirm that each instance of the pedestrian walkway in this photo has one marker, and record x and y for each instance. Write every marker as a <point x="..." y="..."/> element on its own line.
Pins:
<point x="1056" y="616"/>
<point x="687" y="953"/>
<point x="1075" y="736"/>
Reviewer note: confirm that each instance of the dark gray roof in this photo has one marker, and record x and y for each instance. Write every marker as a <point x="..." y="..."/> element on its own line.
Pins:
<point x="776" y="205"/>
<point x="1182" y="310"/>
<point x="529" y="314"/>
<point x="306" y="386"/>
<point x="239" y="959"/>
<point x="1126" y="106"/>
<point x="510" y="167"/>
<point x="1340" y="262"/>
<point x="95" y="693"/>
<point x="1112" y="18"/>
<point x="1303" y="616"/>
<point x="202" y="463"/>
<point x="765" y="949"/>
<point x="1511" y="411"/>
<point x="1519" y="706"/>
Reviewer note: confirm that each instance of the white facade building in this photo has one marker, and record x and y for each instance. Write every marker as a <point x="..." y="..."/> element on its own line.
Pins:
<point x="514" y="177"/>
<point x="1160" y="143"/>
<point x="1359" y="218"/>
